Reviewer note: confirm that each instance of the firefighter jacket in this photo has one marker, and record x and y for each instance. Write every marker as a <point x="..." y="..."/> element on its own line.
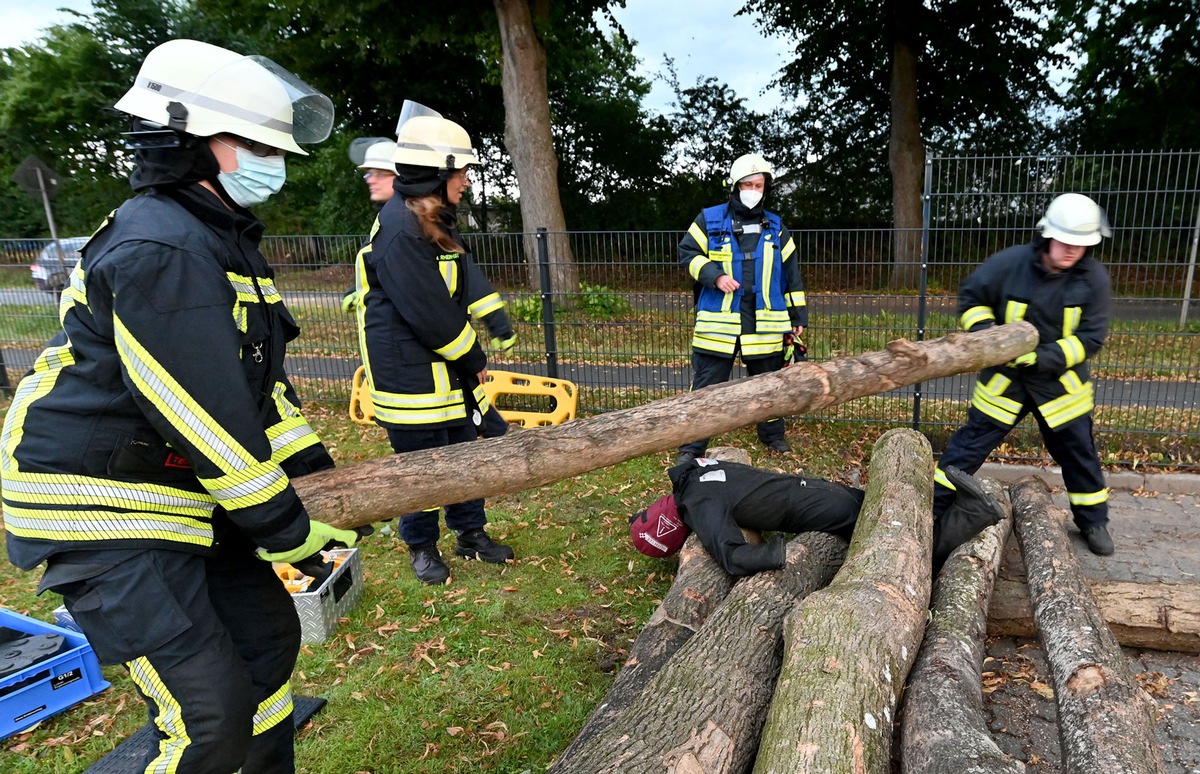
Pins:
<point x="716" y="498"/>
<point x="1070" y="310"/>
<point x="753" y="248"/>
<point x="416" y="304"/>
<point x="160" y="412"/>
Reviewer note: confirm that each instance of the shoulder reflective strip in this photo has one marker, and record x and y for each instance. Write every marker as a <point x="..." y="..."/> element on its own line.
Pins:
<point x="485" y="306"/>
<point x="254" y="485"/>
<point x="169" y="720"/>
<point x="700" y="235"/>
<point x="1088" y="498"/>
<point x="1071" y="317"/>
<point x="1014" y="311"/>
<point x="185" y="415"/>
<point x="976" y="315"/>
<point x="87" y="525"/>
<point x="274" y="709"/>
<point x="788" y="248"/>
<point x="461" y="344"/>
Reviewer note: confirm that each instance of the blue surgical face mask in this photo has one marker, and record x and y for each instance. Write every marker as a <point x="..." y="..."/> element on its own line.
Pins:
<point x="256" y="178"/>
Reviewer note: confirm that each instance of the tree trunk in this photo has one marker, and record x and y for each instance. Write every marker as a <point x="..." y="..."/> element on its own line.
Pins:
<point x="699" y="587"/>
<point x="1105" y="720"/>
<point x="848" y="648"/>
<point x="906" y="152"/>
<point x="702" y="712"/>
<point x="943" y="728"/>
<point x="1159" y="615"/>
<point x="375" y="490"/>
<point x="529" y="140"/>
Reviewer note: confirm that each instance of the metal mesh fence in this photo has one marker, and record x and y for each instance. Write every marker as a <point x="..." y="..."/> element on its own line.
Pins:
<point x="612" y="311"/>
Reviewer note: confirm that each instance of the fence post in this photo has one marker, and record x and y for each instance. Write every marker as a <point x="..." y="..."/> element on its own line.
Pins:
<point x="923" y="288"/>
<point x="1191" y="272"/>
<point x="543" y="250"/>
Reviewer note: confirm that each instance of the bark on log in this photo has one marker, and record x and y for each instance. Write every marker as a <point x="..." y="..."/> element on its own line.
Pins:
<point x="849" y="647"/>
<point x="1159" y="615"/>
<point x="943" y="729"/>
<point x="700" y="585"/>
<point x="702" y="712"/>
<point x="1105" y="720"/>
<point x="375" y="490"/>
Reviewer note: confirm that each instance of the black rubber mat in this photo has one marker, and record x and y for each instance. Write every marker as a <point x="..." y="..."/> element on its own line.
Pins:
<point x="130" y="755"/>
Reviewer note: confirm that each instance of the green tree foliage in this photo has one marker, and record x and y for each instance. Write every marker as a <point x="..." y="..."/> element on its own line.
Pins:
<point x="1138" y="87"/>
<point x="980" y="74"/>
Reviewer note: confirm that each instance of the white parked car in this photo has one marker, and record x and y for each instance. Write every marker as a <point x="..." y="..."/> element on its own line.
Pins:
<point x="52" y="269"/>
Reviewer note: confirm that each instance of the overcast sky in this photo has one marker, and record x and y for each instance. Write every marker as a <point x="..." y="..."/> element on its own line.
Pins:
<point x="702" y="36"/>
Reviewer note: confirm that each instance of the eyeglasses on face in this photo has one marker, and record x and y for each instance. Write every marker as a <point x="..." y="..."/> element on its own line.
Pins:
<point x="377" y="173"/>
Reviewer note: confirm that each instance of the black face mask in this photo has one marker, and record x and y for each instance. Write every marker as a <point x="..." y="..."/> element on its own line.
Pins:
<point x="186" y="162"/>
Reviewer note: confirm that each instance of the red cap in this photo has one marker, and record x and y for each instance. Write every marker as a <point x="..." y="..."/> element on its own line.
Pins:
<point x="658" y="531"/>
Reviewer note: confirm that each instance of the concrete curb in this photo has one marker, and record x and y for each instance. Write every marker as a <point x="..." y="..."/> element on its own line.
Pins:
<point x="1164" y="483"/>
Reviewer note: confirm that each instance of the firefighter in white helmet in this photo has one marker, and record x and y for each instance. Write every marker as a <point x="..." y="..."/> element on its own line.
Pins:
<point x="1055" y="283"/>
<point x="419" y="290"/>
<point x="373" y="158"/>
<point x="147" y="456"/>
<point x="749" y="295"/>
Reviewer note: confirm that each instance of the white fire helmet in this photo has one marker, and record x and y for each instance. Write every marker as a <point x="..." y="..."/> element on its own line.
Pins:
<point x="206" y="90"/>
<point x="379" y="156"/>
<point x="1074" y="219"/>
<point x="425" y="139"/>
<point x="747" y="165"/>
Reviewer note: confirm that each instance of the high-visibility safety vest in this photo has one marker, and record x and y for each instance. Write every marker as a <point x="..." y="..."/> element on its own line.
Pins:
<point x="162" y="405"/>
<point x="1070" y="310"/>
<point x="718" y="315"/>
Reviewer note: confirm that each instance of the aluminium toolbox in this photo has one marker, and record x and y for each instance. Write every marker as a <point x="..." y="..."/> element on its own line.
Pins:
<point x="49" y="686"/>
<point x="320" y="608"/>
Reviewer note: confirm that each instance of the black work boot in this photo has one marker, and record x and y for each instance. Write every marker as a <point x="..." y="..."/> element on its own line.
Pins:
<point x="779" y="445"/>
<point x="428" y="565"/>
<point x="1099" y="542"/>
<point x="475" y="544"/>
<point x="973" y="511"/>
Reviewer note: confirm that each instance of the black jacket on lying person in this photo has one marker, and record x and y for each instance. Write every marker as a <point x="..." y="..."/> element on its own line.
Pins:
<point x="715" y="498"/>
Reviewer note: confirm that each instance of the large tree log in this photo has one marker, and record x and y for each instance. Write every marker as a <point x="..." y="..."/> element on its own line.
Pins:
<point x="375" y="490"/>
<point x="848" y="648"/>
<point x="702" y="712"/>
<point x="1159" y="615"/>
<point x="1105" y="720"/>
<point x="699" y="587"/>
<point x="943" y="729"/>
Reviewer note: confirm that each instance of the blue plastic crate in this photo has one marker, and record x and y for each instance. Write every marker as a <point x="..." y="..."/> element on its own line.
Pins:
<point x="47" y="687"/>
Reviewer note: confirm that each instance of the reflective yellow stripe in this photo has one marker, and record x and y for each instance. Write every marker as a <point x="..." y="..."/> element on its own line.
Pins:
<point x="252" y="485"/>
<point x="700" y="235"/>
<point x="275" y="709"/>
<point x="169" y="719"/>
<point x="1073" y="351"/>
<point x="35" y="385"/>
<point x="1088" y="498"/>
<point x="796" y="298"/>
<point x="940" y="477"/>
<point x="74" y="293"/>
<point x="727" y="323"/>
<point x="156" y="384"/>
<point x="461" y="344"/>
<point x="84" y="525"/>
<point x="724" y="345"/>
<point x="1073" y="405"/>
<point x="485" y="306"/>
<point x="989" y="398"/>
<point x="73" y="490"/>
<point x="1071" y="317"/>
<point x="246" y="293"/>
<point x="788" y="249"/>
<point x="772" y="321"/>
<point x="761" y="343"/>
<point x="441" y="405"/>
<point x="976" y="315"/>
<point x="448" y="266"/>
<point x="292" y="433"/>
<point x="696" y="265"/>
<point x="767" y="279"/>
<point x="1015" y="311"/>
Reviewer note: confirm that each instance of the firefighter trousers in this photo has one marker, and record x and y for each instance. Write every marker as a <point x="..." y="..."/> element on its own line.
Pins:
<point x="210" y="644"/>
<point x="421" y="527"/>
<point x="709" y="368"/>
<point x="1071" y="445"/>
